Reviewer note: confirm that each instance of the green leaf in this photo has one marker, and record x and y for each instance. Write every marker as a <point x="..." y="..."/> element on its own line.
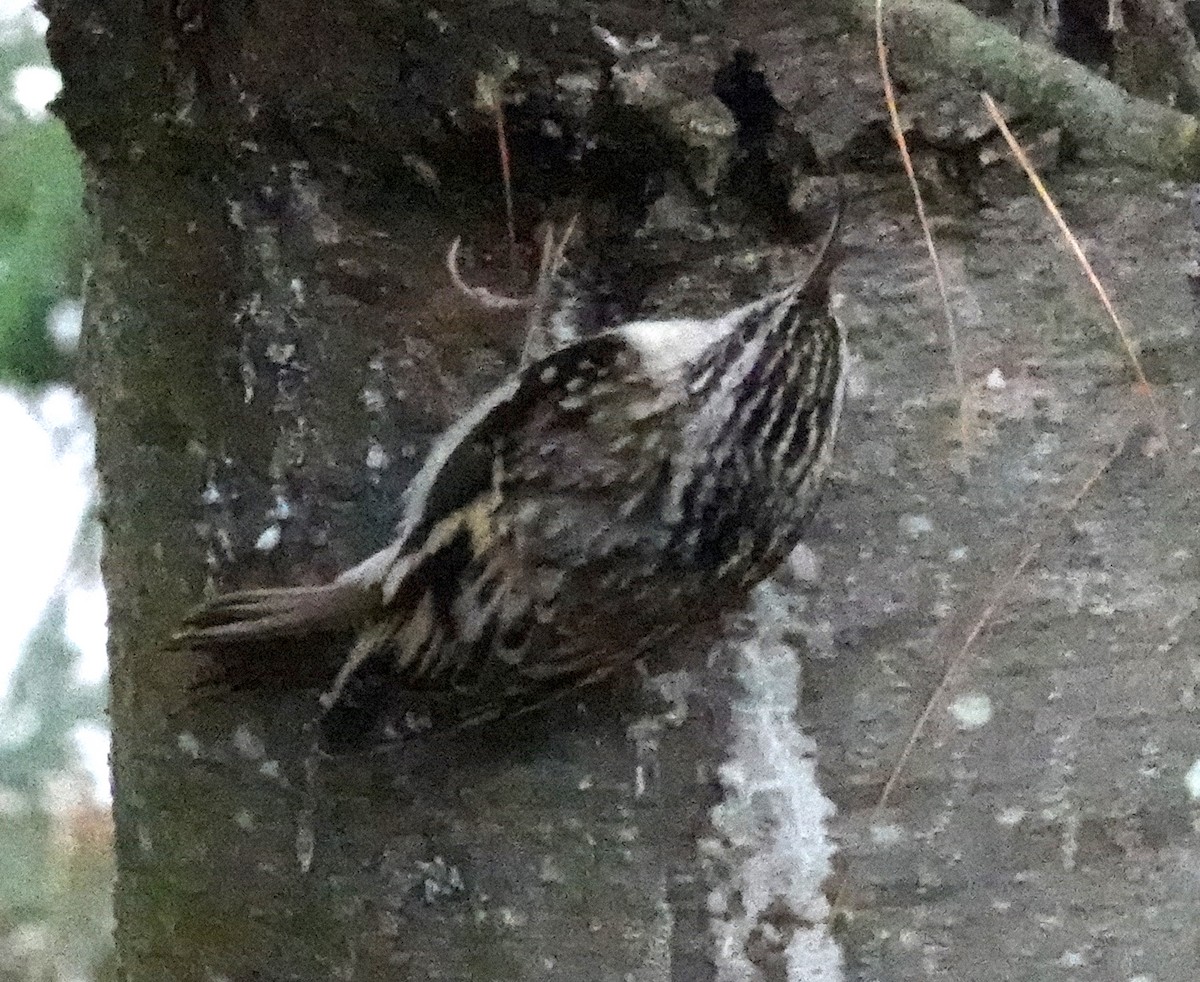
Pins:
<point x="41" y="223"/>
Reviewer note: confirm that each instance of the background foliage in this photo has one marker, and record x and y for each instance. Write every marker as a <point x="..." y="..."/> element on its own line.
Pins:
<point x="40" y="222"/>
<point x="55" y="838"/>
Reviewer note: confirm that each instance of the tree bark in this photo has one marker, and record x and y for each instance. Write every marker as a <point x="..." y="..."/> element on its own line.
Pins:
<point x="272" y="342"/>
<point x="1037" y="82"/>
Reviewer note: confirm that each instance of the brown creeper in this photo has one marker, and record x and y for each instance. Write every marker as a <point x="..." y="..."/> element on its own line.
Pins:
<point x="609" y="495"/>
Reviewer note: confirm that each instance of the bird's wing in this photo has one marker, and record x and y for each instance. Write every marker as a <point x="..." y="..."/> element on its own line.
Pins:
<point x="576" y="419"/>
<point x="559" y="463"/>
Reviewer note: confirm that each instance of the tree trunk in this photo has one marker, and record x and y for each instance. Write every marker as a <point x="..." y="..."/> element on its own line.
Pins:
<point x="272" y="341"/>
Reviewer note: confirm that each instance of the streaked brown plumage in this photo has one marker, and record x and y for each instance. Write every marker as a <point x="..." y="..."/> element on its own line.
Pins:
<point x="604" y="498"/>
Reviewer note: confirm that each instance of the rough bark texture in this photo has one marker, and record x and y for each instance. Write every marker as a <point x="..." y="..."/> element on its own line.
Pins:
<point x="272" y="342"/>
<point x="1035" y="81"/>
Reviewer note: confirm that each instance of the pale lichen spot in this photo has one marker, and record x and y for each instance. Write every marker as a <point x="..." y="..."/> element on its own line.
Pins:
<point x="244" y="820"/>
<point x="188" y="744"/>
<point x="281" y="353"/>
<point x="377" y="457"/>
<point x="1013" y="815"/>
<point x="550" y="871"/>
<point x="971" y="710"/>
<point x="858" y="382"/>
<point x="915" y="526"/>
<point x="513" y="918"/>
<point x="225" y="541"/>
<point x="886" y="834"/>
<point x="325" y="229"/>
<point x="1047" y="445"/>
<point x="441" y="878"/>
<point x="804" y="564"/>
<point x="372" y="399"/>
<point x="996" y="382"/>
<point x="1192" y="780"/>
<point x="269" y="768"/>
<point x="248" y="744"/>
<point x="269" y="538"/>
<point x="306" y="844"/>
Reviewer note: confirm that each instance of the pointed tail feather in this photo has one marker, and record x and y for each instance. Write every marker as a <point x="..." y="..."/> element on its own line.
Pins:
<point x="251" y="617"/>
<point x="272" y="638"/>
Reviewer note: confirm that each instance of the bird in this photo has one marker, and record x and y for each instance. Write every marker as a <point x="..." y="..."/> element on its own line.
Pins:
<point x="613" y="494"/>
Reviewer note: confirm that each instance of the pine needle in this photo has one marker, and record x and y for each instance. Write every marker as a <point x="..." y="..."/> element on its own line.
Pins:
<point x="1072" y="242"/>
<point x="889" y="97"/>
